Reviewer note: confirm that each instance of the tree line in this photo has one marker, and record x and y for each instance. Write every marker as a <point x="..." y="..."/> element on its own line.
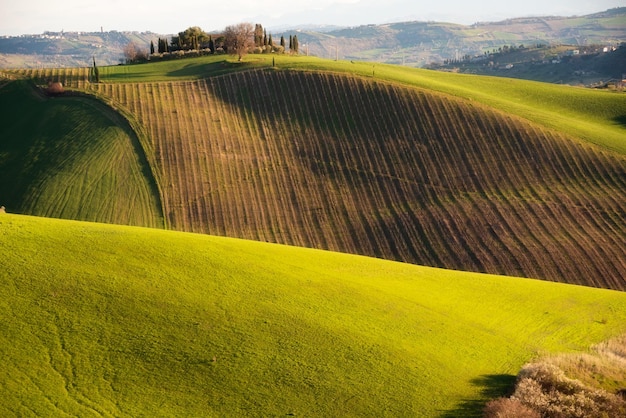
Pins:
<point x="239" y="40"/>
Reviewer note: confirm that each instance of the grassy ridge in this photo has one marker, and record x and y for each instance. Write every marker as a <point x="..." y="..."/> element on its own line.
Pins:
<point x="181" y="69"/>
<point x="122" y="321"/>
<point x="72" y="157"/>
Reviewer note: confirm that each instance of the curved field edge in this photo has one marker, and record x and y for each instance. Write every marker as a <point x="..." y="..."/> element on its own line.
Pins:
<point x="140" y="139"/>
<point x="123" y="321"/>
<point x="73" y="157"/>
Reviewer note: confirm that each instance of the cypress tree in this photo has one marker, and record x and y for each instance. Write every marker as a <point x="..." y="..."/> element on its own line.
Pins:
<point x="96" y="72"/>
<point x="295" y="44"/>
<point x="290" y="42"/>
<point x="258" y="35"/>
<point x="264" y="37"/>
<point x="270" y="42"/>
<point x="282" y="41"/>
<point x="211" y="44"/>
<point x="151" y="48"/>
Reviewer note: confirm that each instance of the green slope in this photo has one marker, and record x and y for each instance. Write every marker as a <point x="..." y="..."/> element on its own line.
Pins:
<point x="121" y="321"/>
<point x="72" y="157"/>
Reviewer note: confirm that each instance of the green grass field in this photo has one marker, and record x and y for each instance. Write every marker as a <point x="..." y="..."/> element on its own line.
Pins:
<point x="72" y="157"/>
<point x="180" y="69"/>
<point x="103" y="320"/>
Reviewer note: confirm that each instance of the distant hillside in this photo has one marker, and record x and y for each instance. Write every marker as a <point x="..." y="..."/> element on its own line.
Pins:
<point x="69" y="49"/>
<point x="421" y="43"/>
<point x="415" y="44"/>
<point x="594" y="65"/>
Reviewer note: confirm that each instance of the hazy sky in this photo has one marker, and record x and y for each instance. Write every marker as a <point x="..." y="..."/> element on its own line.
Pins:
<point x="170" y="16"/>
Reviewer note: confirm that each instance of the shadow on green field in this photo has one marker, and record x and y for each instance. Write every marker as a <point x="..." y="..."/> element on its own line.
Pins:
<point x="209" y="69"/>
<point x="173" y="69"/>
<point x="127" y="77"/>
<point x="491" y="386"/>
<point x="621" y="120"/>
<point x="55" y="159"/>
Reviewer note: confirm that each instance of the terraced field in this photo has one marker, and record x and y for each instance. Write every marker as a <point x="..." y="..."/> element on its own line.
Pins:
<point x="354" y="165"/>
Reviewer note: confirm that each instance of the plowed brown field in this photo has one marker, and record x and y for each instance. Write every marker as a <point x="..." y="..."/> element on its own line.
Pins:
<point x="354" y="165"/>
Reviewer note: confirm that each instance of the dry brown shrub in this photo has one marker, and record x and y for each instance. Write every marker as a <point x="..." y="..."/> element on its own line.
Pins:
<point x="603" y="368"/>
<point x="614" y="349"/>
<point x="545" y="388"/>
<point x="571" y="385"/>
<point x="508" y="408"/>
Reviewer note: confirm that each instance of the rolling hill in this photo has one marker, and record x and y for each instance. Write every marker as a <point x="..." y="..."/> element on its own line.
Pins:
<point x="389" y="165"/>
<point x="594" y="65"/>
<point x="418" y="44"/>
<point x="356" y="166"/>
<point x="105" y="320"/>
<point x="412" y="43"/>
<point x="447" y="170"/>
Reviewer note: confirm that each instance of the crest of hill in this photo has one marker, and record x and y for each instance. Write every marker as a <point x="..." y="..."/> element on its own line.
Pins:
<point x="133" y="321"/>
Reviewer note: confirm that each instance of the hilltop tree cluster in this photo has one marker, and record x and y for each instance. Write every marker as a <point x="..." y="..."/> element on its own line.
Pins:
<point x="239" y="40"/>
<point x="242" y="39"/>
<point x="191" y="42"/>
<point x="192" y="38"/>
<point x="265" y="44"/>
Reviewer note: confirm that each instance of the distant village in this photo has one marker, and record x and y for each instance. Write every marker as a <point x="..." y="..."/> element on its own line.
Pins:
<point x="75" y="35"/>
